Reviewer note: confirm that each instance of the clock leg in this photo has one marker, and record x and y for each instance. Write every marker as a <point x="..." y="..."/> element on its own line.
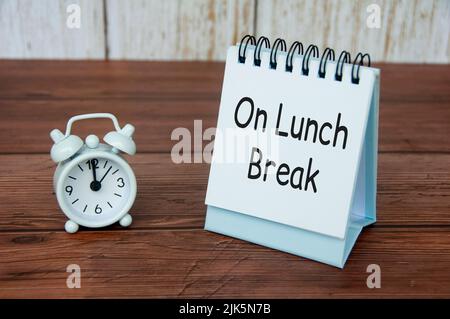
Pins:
<point x="126" y="220"/>
<point x="71" y="227"/>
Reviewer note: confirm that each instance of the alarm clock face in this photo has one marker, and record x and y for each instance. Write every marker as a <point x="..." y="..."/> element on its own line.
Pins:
<point x="96" y="191"/>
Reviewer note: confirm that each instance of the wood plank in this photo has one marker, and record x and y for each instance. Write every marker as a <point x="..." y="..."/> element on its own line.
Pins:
<point x="176" y="30"/>
<point x="403" y="126"/>
<point x="400" y="83"/>
<point x="169" y="195"/>
<point x="38" y="29"/>
<point x="413" y="190"/>
<point x="154" y="121"/>
<point x="409" y="31"/>
<point x="186" y="264"/>
<point x="101" y="80"/>
<point x="414" y="127"/>
<point x="159" y="97"/>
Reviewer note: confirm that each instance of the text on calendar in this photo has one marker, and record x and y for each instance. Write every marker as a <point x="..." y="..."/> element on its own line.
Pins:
<point x="303" y="129"/>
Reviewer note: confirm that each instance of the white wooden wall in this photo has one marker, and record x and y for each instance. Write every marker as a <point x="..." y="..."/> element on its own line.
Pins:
<point x="37" y="29"/>
<point x="410" y="31"/>
<point x="176" y="29"/>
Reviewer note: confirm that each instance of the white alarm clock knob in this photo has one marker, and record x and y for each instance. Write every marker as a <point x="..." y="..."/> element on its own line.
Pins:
<point x="126" y="220"/>
<point x="122" y="140"/>
<point x="127" y="130"/>
<point x="64" y="147"/>
<point x="71" y="227"/>
<point x="92" y="141"/>
<point x="56" y="135"/>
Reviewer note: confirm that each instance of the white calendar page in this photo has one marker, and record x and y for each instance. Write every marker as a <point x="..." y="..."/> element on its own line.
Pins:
<point x="303" y="181"/>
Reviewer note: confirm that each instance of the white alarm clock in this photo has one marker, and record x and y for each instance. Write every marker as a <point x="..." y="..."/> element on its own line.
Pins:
<point x="94" y="185"/>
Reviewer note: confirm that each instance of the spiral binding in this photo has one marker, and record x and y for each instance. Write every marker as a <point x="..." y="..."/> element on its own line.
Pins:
<point x="248" y="38"/>
<point x="344" y="57"/>
<point x="297" y="48"/>
<point x="296" y="45"/>
<point x="257" y="53"/>
<point x="273" y="53"/>
<point x="312" y="49"/>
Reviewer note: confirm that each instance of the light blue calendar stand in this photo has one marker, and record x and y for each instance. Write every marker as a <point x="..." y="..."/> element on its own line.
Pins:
<point x="312" y="245"/>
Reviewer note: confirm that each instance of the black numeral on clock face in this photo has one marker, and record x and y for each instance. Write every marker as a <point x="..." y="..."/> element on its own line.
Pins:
<point x="91" y="163"/>
<point x="120" y="182"/>
<point x="98" y="209"/>
<point x="69" y="189"/>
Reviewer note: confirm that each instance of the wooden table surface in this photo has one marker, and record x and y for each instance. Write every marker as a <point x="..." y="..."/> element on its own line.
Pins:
<point x="166" y="252"/>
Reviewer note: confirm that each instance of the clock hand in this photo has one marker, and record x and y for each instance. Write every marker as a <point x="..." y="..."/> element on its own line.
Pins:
<point x="95" y="185"/>
<point x="94" y="164"/>
<point x="101" y="180"/>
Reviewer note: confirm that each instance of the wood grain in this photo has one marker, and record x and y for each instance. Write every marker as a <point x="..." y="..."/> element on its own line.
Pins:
<point x="182" y="80"/>
<point x="196" y="263"/>
<point x="166" y="253"/>
<point x="174" y="30"/>
<point x="172" y="195"/>
<point x="410" y="31"/>
<point x="150" y="95"/>
<point x="82" y="80"/>
<point x="37" y="29"/>
<point x="403" y="126"/>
